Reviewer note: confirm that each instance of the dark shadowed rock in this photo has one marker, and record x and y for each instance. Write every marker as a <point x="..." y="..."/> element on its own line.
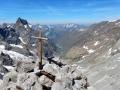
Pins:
<point x="21" y="21"/>
<point x="1" y="76"/>
<point x="9" y="35"/>
<point x="6" y="60"/>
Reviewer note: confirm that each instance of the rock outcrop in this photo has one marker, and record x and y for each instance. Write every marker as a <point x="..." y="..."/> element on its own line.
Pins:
<point x="68" y="77"/>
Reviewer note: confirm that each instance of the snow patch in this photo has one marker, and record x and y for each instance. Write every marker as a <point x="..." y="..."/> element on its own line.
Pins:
<point x="83" y="56"/>
<point x="10" y="68"/>
<point x="57" y="58"/>
<point x="33" y="45"/>
<point x="15" y="55"/>
<point x="8" y="26"/>
<point x="22" y="40"/>
<point x="96" y="43"/>
<point x="69" y="25"/>
<point x="109" y="51"/>
<point x="91" y="51"/>
<point x="25" y="26"/>
<point x="118" y="23"/>
<point x="40" y="26"/>
<point x="96" y="33"/>
<point x="13" y="45"/>
<point x="47" y="33"/>
<point x="115" y="50"/>
<point x="30" y="25"/>
<point x="2" y="47"/>
<point x="81" y="29"/>
<point x="85" y="47"/>
<point x="2" y="73"/>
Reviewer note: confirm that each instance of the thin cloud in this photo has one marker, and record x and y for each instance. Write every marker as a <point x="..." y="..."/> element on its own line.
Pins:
<point x="105" y="9"/>
<point x="53" y="11"/>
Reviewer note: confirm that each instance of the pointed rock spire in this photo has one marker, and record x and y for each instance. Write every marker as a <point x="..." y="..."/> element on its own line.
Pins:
<point x="21" y="21"/>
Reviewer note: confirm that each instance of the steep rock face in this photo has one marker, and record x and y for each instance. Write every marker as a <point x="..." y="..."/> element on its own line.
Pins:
<point x="102" y="64"/>
<point x="9" y="35"/>
<point x="26" y="32"/>
<point x="13" y="33"/>
<point x="21" y="21"/>
<point x="9" y="59"/>
<point x="21" y="26"/>
<point x="6" y="59"/>
<point x="97" y="39"/>
<point x="104" y="74"/>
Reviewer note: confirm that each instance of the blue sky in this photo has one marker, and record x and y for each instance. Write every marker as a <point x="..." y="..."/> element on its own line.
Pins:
<point x="59" y="11"/>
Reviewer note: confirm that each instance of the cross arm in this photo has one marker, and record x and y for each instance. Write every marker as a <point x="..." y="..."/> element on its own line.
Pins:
<point x="42" y="38"/>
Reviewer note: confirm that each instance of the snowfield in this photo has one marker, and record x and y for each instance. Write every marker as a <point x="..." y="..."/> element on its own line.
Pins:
<point x="14" y="55"/>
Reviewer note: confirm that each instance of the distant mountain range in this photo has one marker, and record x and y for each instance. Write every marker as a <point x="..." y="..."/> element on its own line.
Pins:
<point x="68" y="39"/>
<point x="55" y="33"/>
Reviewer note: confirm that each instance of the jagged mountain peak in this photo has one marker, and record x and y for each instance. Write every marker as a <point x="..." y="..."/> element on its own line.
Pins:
<point x="22" y="21"/>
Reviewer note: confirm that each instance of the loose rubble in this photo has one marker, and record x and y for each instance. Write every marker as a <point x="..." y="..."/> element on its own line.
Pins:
<point x="68" y="77"/>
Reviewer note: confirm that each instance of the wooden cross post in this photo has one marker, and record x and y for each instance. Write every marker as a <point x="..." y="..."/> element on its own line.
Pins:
<point x="40" y="40"/>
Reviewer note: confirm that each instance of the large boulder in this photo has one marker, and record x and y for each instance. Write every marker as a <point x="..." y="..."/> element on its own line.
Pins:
<point x="25" y="66"/>
<point x="45" y="81"/>
<point x="8" y="80"/>
<point x="37" y="86"/>
<point x="68" y="77"/>
<point x="51" y="68"/>
<point x="67" y="84"/>
<point x="26" y="81"/>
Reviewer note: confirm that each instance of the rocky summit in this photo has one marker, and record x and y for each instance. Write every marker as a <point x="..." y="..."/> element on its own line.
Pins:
<point x="65" y="78"/>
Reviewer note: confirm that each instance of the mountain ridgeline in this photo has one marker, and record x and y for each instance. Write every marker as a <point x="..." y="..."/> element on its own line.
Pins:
<point x="59" y="35"/>
<point x="78" y="42"/>
<point x="71" y="41"/>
